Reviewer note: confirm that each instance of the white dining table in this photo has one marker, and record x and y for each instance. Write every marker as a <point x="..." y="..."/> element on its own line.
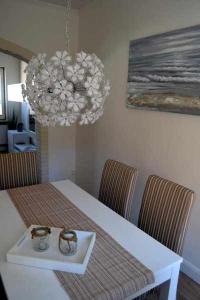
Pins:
<point x="28" y="283"/>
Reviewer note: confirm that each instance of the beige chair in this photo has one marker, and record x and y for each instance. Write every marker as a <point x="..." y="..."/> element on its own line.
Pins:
<point x="165" y="211"/>
<point x="117" y="187"/>
<point x="18" y="169"/>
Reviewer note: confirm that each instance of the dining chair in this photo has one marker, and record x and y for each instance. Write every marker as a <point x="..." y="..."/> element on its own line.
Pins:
<point x="18" y="169"/>
<point x="117" y="187"/>
<point x="165" y="211"/>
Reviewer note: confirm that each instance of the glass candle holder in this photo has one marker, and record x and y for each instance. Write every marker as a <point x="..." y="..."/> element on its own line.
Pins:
<point x="40" y="238"/>
<point x="68" y="242"/>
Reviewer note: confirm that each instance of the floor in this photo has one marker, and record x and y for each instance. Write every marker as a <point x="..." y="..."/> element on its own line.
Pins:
<point x="187" y="289"/>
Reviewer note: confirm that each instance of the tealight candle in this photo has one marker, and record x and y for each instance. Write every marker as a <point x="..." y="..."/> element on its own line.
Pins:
<point x="40" y="238"/>
<point x="68" y="242"/>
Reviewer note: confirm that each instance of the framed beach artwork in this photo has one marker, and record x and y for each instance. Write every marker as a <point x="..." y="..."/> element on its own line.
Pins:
<point x="164" y="72"/>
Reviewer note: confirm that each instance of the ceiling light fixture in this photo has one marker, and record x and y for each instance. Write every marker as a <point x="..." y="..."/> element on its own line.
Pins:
<point x="62" y="92"/>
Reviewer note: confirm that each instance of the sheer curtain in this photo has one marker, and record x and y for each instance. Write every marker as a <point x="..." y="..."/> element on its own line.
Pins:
<point x="13" y="114"/>
<point x="2" y="93"/>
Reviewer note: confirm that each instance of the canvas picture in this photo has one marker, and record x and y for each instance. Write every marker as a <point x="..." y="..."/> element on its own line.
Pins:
<point x="164" y="72"/>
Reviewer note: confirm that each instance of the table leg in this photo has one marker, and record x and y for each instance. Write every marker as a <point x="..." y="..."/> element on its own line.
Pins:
<point x="168" y="290"/>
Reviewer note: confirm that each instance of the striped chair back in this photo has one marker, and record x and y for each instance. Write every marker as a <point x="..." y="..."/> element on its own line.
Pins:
<point x="18" y="169"/>
<point x="117" y="187"/>
<point x="165" y="212"/>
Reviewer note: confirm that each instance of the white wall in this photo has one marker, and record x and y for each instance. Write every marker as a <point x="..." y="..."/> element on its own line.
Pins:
<point x="37" y="26"/>
<point x="156" y="143"/>
<point x="40" y="27"/>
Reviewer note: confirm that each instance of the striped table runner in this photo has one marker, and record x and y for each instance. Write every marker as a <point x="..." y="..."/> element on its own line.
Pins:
<point x="112" y="272"/>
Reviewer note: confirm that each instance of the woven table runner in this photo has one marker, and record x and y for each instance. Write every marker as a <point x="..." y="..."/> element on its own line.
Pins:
<point x="112" y="272"/>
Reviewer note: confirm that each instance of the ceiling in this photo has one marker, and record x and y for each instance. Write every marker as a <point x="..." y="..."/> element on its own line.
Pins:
<point x="75" y="3"/>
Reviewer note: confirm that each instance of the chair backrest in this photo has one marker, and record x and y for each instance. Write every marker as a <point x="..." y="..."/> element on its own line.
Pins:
<point x="117" y="187"/>
<point x="165" y="211"/>
<point x="18" y="169"/>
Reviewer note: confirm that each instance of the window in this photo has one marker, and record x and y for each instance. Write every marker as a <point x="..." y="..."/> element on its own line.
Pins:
<point x="2" y="94"/>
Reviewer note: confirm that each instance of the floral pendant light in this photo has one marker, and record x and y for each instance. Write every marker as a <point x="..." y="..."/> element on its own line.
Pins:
<point x="62" y="92"/>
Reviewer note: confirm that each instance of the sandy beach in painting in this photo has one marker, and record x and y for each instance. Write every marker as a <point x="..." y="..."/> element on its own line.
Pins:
<point x="164" y="72"/>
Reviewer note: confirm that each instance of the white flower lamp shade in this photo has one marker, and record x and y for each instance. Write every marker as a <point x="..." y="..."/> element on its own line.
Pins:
<point x="61" y="92"/>
<point x="15" y="92"/>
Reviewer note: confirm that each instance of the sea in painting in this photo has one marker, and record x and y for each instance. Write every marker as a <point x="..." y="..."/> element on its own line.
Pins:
<point x="164" y="72"/>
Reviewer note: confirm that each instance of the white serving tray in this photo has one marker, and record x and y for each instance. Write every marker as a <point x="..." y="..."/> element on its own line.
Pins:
<point x="23" y="253"/>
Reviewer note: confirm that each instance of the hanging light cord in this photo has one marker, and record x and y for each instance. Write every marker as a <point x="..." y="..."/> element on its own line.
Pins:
<point x="68" y="9"/>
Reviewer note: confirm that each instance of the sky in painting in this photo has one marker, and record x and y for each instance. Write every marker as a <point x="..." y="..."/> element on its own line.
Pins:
<point x="167" y="63"/>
